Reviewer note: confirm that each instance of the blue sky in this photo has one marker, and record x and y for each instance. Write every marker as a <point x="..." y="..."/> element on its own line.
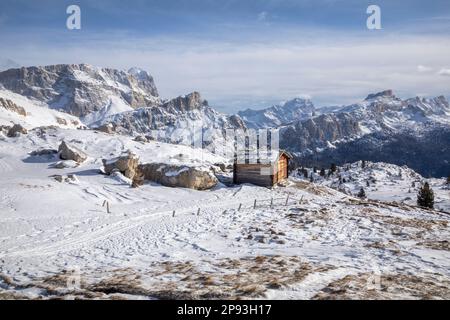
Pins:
<point x="245" y="53"/>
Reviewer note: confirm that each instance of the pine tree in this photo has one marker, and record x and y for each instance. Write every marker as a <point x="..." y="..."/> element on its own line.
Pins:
<point x="362" y="194"/>
<point x="305" y="173"/>
<point x="322" y="172"/>
<point x="363" y="164"/>
<point x="425" y="197"/>
<point x="333" y="168"/>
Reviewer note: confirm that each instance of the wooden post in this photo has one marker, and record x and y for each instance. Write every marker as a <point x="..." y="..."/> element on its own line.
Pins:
<point x="271" y="203"/>
<point x="254" y="205"/>
<point x="287" y="200"/>
<point x="107" y="207"/>
<point x="301" y="200"/>
<point x="173" y="214"/>
<point x="198" y="212"/>
<point x="240" y="206"/>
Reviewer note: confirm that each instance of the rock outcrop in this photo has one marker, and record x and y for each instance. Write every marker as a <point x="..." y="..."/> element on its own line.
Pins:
<point x="179" y="176"/>
<point x="126" y="164"/>
<point x="68" y="152"/>
<point x="16" y="130"/>
<point x="43" y="152"/>
<point x="11" y="106"/>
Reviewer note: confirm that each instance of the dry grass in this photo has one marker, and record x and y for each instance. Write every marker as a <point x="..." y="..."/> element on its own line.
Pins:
<point x="224" y="279"/>
<point x="389" y="287"/>
<point x="436" y="245"/>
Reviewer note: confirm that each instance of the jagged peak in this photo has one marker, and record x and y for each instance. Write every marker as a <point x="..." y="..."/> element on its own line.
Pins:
<point x="382" y="94"/>
<point x="187" y="102"/>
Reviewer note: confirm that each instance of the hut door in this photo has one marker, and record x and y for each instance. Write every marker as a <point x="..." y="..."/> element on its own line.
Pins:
<point x="282" y="168"/>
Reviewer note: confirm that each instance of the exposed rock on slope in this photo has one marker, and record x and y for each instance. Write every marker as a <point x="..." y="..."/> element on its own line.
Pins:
<point x="11" y="106"/>
<point x="68" y="152"/>
<point x="15" y="130"/>
<point x="179" y="176"/>
<point x="126" y="164"/>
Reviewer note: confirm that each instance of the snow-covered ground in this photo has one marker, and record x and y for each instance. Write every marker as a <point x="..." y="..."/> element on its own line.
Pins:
<point x="312" y="242"/>
<point x="383" y="181"/>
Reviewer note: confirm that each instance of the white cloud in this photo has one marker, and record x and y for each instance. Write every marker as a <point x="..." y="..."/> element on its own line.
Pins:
<point x="424" y="69"/>
<point x="238" y="74"/>
<point x="262" y="16"/>
<point x="444" y="72"/>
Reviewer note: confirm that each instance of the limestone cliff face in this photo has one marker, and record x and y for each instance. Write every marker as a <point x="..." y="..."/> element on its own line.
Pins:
<point x="80" y="89"/>
<point x="318" y="131"/>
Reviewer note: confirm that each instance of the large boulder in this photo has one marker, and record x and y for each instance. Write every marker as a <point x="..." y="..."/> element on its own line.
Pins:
<point x="15" y="130"/>
<point x="68" y="152"/>
<point x="182" y="176"/>
<point x="127" y="164"/>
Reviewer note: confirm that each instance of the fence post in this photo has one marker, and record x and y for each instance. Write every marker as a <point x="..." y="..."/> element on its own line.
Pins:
<point x="107" y="207"/>
<point x="240" y="206"/>
<point x="173" y="214"/>
<point x="271" y="203"/>
<point x="198" y="212"/>
<point x="254" y="205"/>
<point x="301" y="200"/>
<point x="287" y="200"/>
<point x="104" y="202"/>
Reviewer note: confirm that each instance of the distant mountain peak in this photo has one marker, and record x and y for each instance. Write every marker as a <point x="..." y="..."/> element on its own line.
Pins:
<point x="277" y="115"/>
<point x="383" y="94"/>
<point x="6" y="64"/>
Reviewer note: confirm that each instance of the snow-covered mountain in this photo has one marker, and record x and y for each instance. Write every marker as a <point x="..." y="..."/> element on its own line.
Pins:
<point x="278" y="115"/>
<point x="81" y="89"/>
<point x="175" y="121"/>
<point x="383" y="127"/>
<point x="126" y="101"/>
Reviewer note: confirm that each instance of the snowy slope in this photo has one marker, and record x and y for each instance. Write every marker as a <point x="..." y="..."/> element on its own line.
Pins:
<point x="37" y="113"/>
<point x="383" y="181"/>
<point x="56" y="239"/>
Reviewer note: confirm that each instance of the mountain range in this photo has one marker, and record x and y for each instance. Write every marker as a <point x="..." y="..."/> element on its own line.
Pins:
<point x="383" y="127"/>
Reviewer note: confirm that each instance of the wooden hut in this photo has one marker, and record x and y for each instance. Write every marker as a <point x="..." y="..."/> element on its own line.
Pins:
<point x="265" y="174"/>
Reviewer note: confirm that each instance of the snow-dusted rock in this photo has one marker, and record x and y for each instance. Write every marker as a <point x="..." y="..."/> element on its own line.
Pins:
<point x="43" y="152"/>
<point x="68" y="152"/>
<point x="141" y="139"/>
<point x="106" y="128"/>
<point x="65" y="164"/>
<point x="15" y="130"/>
<point x="71" y="178"/>
<point x="126" y="164"/>
<point x="183" y="176"/>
